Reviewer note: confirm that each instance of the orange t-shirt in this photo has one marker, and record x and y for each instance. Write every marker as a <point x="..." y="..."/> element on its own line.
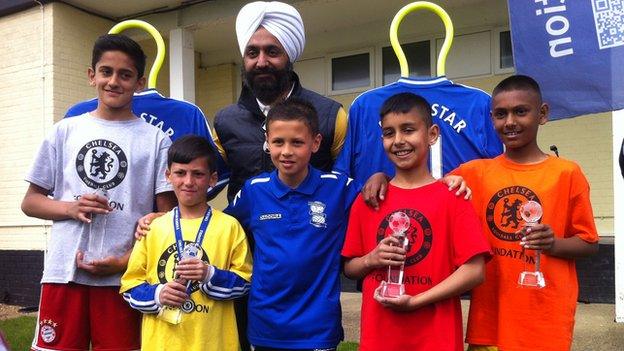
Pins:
<point x="501" y="312"/>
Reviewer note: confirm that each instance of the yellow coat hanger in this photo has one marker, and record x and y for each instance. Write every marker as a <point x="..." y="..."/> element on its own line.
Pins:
<point x="160" y="45"/>
<point x="446" y="46"/>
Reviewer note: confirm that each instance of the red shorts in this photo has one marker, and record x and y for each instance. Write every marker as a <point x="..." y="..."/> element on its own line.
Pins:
<point x="74" y="316"/>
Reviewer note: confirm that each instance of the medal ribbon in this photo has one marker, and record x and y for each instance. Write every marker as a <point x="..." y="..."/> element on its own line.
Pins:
<point x="177" y="228"/>
<point x="199" y="238"/>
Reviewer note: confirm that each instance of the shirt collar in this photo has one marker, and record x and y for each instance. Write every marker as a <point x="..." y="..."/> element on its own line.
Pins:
<point x="307" y="187"/>
<point x="266" y="108"/>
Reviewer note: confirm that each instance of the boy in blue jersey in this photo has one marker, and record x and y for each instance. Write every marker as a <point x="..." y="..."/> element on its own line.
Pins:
<point x="297" y="216"/>
<point x="218" y="263"/>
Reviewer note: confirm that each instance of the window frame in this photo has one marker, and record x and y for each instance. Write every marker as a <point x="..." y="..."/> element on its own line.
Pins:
<point x="496" y="54"/>
<point x="329" y="72"/>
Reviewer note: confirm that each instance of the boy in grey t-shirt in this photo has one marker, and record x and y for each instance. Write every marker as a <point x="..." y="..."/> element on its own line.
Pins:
<point x="108" y="148"/>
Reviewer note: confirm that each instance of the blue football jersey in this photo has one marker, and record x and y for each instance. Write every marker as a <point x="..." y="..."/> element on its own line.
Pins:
<point x="175" y="118"/>
<point x="461" y="112"/>
<point x="294" y="300"/>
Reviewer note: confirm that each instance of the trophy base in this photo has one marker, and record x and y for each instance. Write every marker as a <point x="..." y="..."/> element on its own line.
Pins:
<point x="90" y="256"/>
<point x="392" y="289"/>
<point x="170" y="315"/>
<point x="532" y="280"/>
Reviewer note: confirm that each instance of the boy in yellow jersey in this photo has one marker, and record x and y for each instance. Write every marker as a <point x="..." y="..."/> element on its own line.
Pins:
<point x="184" y="274"/>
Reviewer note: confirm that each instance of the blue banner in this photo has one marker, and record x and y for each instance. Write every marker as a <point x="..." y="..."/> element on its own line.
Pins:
<point x="574" y="49"/>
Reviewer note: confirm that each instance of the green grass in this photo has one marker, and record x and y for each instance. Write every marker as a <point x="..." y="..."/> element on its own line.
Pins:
<point x="348" y="346"/>
<point x="19" y="332"/>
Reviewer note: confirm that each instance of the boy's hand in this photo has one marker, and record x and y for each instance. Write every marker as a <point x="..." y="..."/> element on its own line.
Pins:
<point x="107" y="266"/>
<point x="374" y="191"/>
<point x="537" y="237"/>
<point x="173" y="294"/>
<point x="143" y="224"/>
<point x="87" y="204"/>
<point x="457" y="182"/>
<point x="389" y="252"/>
<point x="192" y="269"/>
<point x="402" y="303"/>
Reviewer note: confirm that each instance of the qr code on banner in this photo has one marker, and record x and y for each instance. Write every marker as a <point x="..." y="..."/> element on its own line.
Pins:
<point x="609" y="20"/>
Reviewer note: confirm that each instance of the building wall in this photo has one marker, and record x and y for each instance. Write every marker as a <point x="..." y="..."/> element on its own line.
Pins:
<point x="25" y="112"/>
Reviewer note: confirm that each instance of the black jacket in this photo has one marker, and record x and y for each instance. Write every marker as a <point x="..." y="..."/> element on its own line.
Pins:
<point x="239" y="129"/>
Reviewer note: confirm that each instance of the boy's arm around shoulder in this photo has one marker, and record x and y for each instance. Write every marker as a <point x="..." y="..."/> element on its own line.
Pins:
<point x="234" y="281"/>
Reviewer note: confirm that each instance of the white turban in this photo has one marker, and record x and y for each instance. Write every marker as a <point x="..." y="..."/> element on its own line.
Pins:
<point x="281" y="20"/>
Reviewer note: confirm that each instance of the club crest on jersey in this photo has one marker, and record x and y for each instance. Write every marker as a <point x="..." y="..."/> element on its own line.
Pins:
<point x="101" y="164"/>
<point x="169" y="259"/>
<point x="47" y="330"/>
<point x="419" y="234"/>
<point x="318" y="218"/>
<point x="503" y="211"/>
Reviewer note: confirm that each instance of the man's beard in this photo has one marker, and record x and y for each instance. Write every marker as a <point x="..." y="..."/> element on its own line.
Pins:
<point x="269" y="88"/>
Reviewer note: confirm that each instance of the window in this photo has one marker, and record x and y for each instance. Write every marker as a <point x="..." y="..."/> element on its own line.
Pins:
<point x="350" y="73"/>
<point x="505" y="50"/>
<point x="418" y="56"/>
<point x="502" y="51"/>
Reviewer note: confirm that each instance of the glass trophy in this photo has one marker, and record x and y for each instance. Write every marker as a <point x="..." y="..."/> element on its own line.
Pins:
<point x="97" y="232"/>
<point x="531" y="212"/>
<point x="399" y="223"/>
<point x="173" y="315"/>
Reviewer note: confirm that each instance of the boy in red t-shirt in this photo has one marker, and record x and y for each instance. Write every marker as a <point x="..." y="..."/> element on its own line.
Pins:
<point x="445" y="253"/>
<point x="502" y="315"/>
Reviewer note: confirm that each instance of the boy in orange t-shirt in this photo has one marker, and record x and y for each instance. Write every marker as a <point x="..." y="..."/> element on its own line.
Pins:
<point x="504" y="316"/>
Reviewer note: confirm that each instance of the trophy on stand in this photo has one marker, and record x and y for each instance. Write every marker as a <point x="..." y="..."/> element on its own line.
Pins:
<point x="173" y="315"/>
<point x="399" y="223"/>
<point x="97" y="232"/>
<point x="531" y="212"/>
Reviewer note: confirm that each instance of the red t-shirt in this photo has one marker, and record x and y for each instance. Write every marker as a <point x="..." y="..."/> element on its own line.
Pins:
<point x="444" y="233"/>
<point x="501" y="313"/>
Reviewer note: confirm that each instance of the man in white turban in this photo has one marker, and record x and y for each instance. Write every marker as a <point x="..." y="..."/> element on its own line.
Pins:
<point x="271" y="38"/>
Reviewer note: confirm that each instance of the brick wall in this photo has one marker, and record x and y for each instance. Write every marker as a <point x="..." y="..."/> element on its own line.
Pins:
<point x="20" y="274"/>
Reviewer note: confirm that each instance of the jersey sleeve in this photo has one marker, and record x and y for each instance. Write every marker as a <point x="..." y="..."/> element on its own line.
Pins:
<point x="223" y="172"/>
<point x="354" y="243"/>
<point x="240" y="207"/>
<point x="352" y="189"/>
<point x="160" y="180"/>
<point x="340" y="131"/>
<point x="491" y="145"/>
<point x="135" y="288"/>
<point x="43" y="170"/>
<point x="234" y="282"/>
<point x="467" y="234"/>
<point x="347" y="156"/>
<point x="81" y="107"/>
<point x="581" y="220"/>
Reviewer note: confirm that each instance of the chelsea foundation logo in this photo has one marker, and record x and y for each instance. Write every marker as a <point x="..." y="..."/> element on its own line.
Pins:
<point x="416" y="229"/>
<point x="101" y="164"/>
<point x="318" y="218"/>
<point x="503" y="211"/>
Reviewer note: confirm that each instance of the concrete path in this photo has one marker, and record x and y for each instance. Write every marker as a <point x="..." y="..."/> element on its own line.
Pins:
<point x="595" y="329"/>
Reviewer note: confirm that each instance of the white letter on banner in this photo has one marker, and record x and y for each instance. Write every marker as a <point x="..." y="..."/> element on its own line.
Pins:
<point x="556" y="32"/>
<point x="553" y="47"/>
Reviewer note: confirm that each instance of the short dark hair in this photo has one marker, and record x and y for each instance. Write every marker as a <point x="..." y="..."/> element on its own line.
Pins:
<point x="119" y="42"/>
<point x="295" y="109"/>
<point x="518" y="82"/>
<point x="406" y="102"/>
<point x="190" y="147"/>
